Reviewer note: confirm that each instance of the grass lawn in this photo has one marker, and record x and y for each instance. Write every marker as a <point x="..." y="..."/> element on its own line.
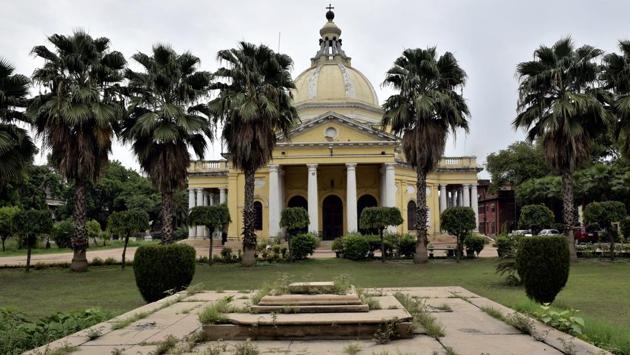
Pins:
<point x="599" y="289"/>
<point x="12" y="249"/>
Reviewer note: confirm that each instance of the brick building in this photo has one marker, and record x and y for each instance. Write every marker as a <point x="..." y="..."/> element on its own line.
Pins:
<point x="498" y="211"/>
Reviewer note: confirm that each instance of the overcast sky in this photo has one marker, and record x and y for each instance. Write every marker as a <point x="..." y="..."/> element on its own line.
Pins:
<point x="488" y="37"/>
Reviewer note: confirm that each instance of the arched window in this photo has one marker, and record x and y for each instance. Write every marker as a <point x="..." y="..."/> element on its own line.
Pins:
<point x="364" y="202"/>
<point x="258" y="212"/>
<point x="411" y="215"/>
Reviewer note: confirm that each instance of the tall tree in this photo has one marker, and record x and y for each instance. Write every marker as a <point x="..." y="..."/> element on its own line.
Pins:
<point x="16" y="147"/>
<point x="163" y="121"/>
<point x="427" y="106"/>
<point x="254" y="105"/>
<point x="559" y="104"/>
<point x="516" y="164"/>
<point x="76" y="114"/>
<point x="616" y="77"/>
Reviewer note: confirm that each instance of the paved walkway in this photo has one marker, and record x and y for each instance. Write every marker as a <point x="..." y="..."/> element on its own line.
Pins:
<point x="200" y="246"/>
<point x="468" y="329"/>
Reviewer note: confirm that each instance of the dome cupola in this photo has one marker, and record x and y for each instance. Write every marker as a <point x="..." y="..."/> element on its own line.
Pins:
<point x="332" y="84"/>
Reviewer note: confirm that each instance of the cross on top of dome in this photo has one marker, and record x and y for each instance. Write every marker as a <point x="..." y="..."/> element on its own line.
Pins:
<point x="330" y="15"/>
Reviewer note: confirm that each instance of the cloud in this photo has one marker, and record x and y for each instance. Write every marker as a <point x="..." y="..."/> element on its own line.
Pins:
<point x="488" y="37"/>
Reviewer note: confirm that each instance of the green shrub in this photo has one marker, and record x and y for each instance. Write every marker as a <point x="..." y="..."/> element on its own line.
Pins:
<point x="535" y="218"/>
<point x="505" y="245"/>
<point x="355" y="247"/>
<point x="625" y="228"/>
<point x="543" y="266"/>
<point x="294" y="219"/>
<point x="407" y="246"/>
<point x="62" y="233"/>
<point x="378" y="218"/>
<point x="303" y="245"/>
<point x="458" y="221"/>
<point x="475" y="243"/>
<point x="18" y="334"/>
<point x="337" y="246"/>
<point x="163" y="269"/>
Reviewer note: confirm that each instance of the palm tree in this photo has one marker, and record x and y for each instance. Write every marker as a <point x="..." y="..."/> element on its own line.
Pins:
<point x="76" y="114"/>
<point x="16" y="147"/>
<point x="426" y="108"/>
<point x="616" y="77"/>
<point x="559" y="105"/>
<point x="163" y="121"/>
<point x="254" y="105"/>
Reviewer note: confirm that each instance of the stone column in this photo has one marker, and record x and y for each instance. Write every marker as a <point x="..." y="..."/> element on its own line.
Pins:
<point x="390" y="185"/>
<point x="222" y="195"/>
<point x="474" y="204"/>
<point x="351" y="197"/>
<point x="274" y="201"/>
<point x="443" y="193"/>
<point x="467" y="195"/>
<point x="191" y="204"/>
<point x="382" y="189"/>
<point x="460" y="196"/>
<point x="199" y="232"/>
<point x="313" y="203"/>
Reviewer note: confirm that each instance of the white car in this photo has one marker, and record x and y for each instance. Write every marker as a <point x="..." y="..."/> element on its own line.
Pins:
<point x="548" y="232"/>
<point x="521" y="232"/>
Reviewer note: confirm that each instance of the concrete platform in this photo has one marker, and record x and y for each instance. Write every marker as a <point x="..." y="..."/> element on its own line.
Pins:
<point x="344" y="308"/>
<point x="310" y="300"/>
<point x="312" y="287"/>
<point x="468" y="330"/>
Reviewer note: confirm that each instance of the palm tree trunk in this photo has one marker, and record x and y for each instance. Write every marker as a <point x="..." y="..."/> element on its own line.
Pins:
<point x="3" y="249"/>
<point x="124" y="252"/>
<point x="249" y="215"/>
<point x="421" y="255"/>
<point x="568" y="212"/>
<point x="79" y="242"/>
<point x="167" y="217"/>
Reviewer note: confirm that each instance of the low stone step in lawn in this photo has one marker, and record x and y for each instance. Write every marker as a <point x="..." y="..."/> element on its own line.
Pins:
<point x="312" y="287"/>
<point x="335" y="308"/>
<point x="310" y="300"/>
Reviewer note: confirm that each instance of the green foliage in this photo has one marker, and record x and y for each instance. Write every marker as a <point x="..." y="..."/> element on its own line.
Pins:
<point x="543" y="266"/>
<point x="421" y="316"/>
<point x="407" y="246"/>
<point x="18" y="334"/>
<point x="62" y="233"/>
<point x="355" y="247"/>
<point x="31" y="223"/>
<point x="563" y="320"/>
<point x="303" y="245"/>
<point x="475" y="243"/>
<point x="337" y="245"/>
<point x="459" y="221"/>
<point x="516" y="164"/>
<point x="215" y="313"/>
<point x="506" y="245"/>
<point x="7" y="223"/>
<point x="544" y="190"/>
<point x="624" y="226"/>
<point x="535" y="217"/>
<point x="126" y="223"/>
<point x="160" y="269"/>
<point x="380" y="217"/>
<point x="93" y="229"/>
<point x="294" y="219"/>
<point x="604" y="213"/>
<point x="209" y="216"/>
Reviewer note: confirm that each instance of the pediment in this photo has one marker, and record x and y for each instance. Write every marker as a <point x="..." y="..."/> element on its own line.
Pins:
<point x="335" y="128"/>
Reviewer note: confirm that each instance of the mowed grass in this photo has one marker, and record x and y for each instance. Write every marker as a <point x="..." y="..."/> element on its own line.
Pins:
<point x="599" y="289"/>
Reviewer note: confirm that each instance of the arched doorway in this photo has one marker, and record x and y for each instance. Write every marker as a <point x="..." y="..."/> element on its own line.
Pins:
<point x="411" y="216"/>
<point x="364" y="202"/>
<point x="258" y="215"/>
<point x="299" y="201"/>
<point x="332" y="217"/>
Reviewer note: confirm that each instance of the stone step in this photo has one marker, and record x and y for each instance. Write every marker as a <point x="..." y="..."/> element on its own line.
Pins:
<point x="312" y="287"/>
<point x="344" y="308"/>
<point x="310" y="300"/>
<point x="303" y="332"/>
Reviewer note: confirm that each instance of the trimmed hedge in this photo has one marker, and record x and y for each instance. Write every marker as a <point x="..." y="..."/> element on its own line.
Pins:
<point x="474" y="243"/>
<point x="355" y="247"/>
<point x="163" y="269"/>
<point x="407" y="246"/>
<point x="303" y="245"/>
<point x="543" y="266"/>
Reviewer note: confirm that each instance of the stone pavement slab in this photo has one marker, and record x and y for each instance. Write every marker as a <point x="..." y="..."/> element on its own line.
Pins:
<point x="504" y="344"/>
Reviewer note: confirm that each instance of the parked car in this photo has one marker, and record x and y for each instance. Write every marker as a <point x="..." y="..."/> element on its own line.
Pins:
<point x="586" y="235"/>
<point x="521" y="232"/>
<point x="548" y="232"/>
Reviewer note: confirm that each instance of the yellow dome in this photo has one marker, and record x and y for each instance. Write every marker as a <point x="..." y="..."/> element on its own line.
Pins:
<point x="332" y="84"/>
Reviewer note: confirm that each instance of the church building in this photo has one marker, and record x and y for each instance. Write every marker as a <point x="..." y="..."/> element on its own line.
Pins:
<point x="337" y="161"/>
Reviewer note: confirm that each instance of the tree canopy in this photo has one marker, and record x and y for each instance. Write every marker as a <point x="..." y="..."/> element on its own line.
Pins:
<point x="519" y="162"/>
<point x="535" y="218"/>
